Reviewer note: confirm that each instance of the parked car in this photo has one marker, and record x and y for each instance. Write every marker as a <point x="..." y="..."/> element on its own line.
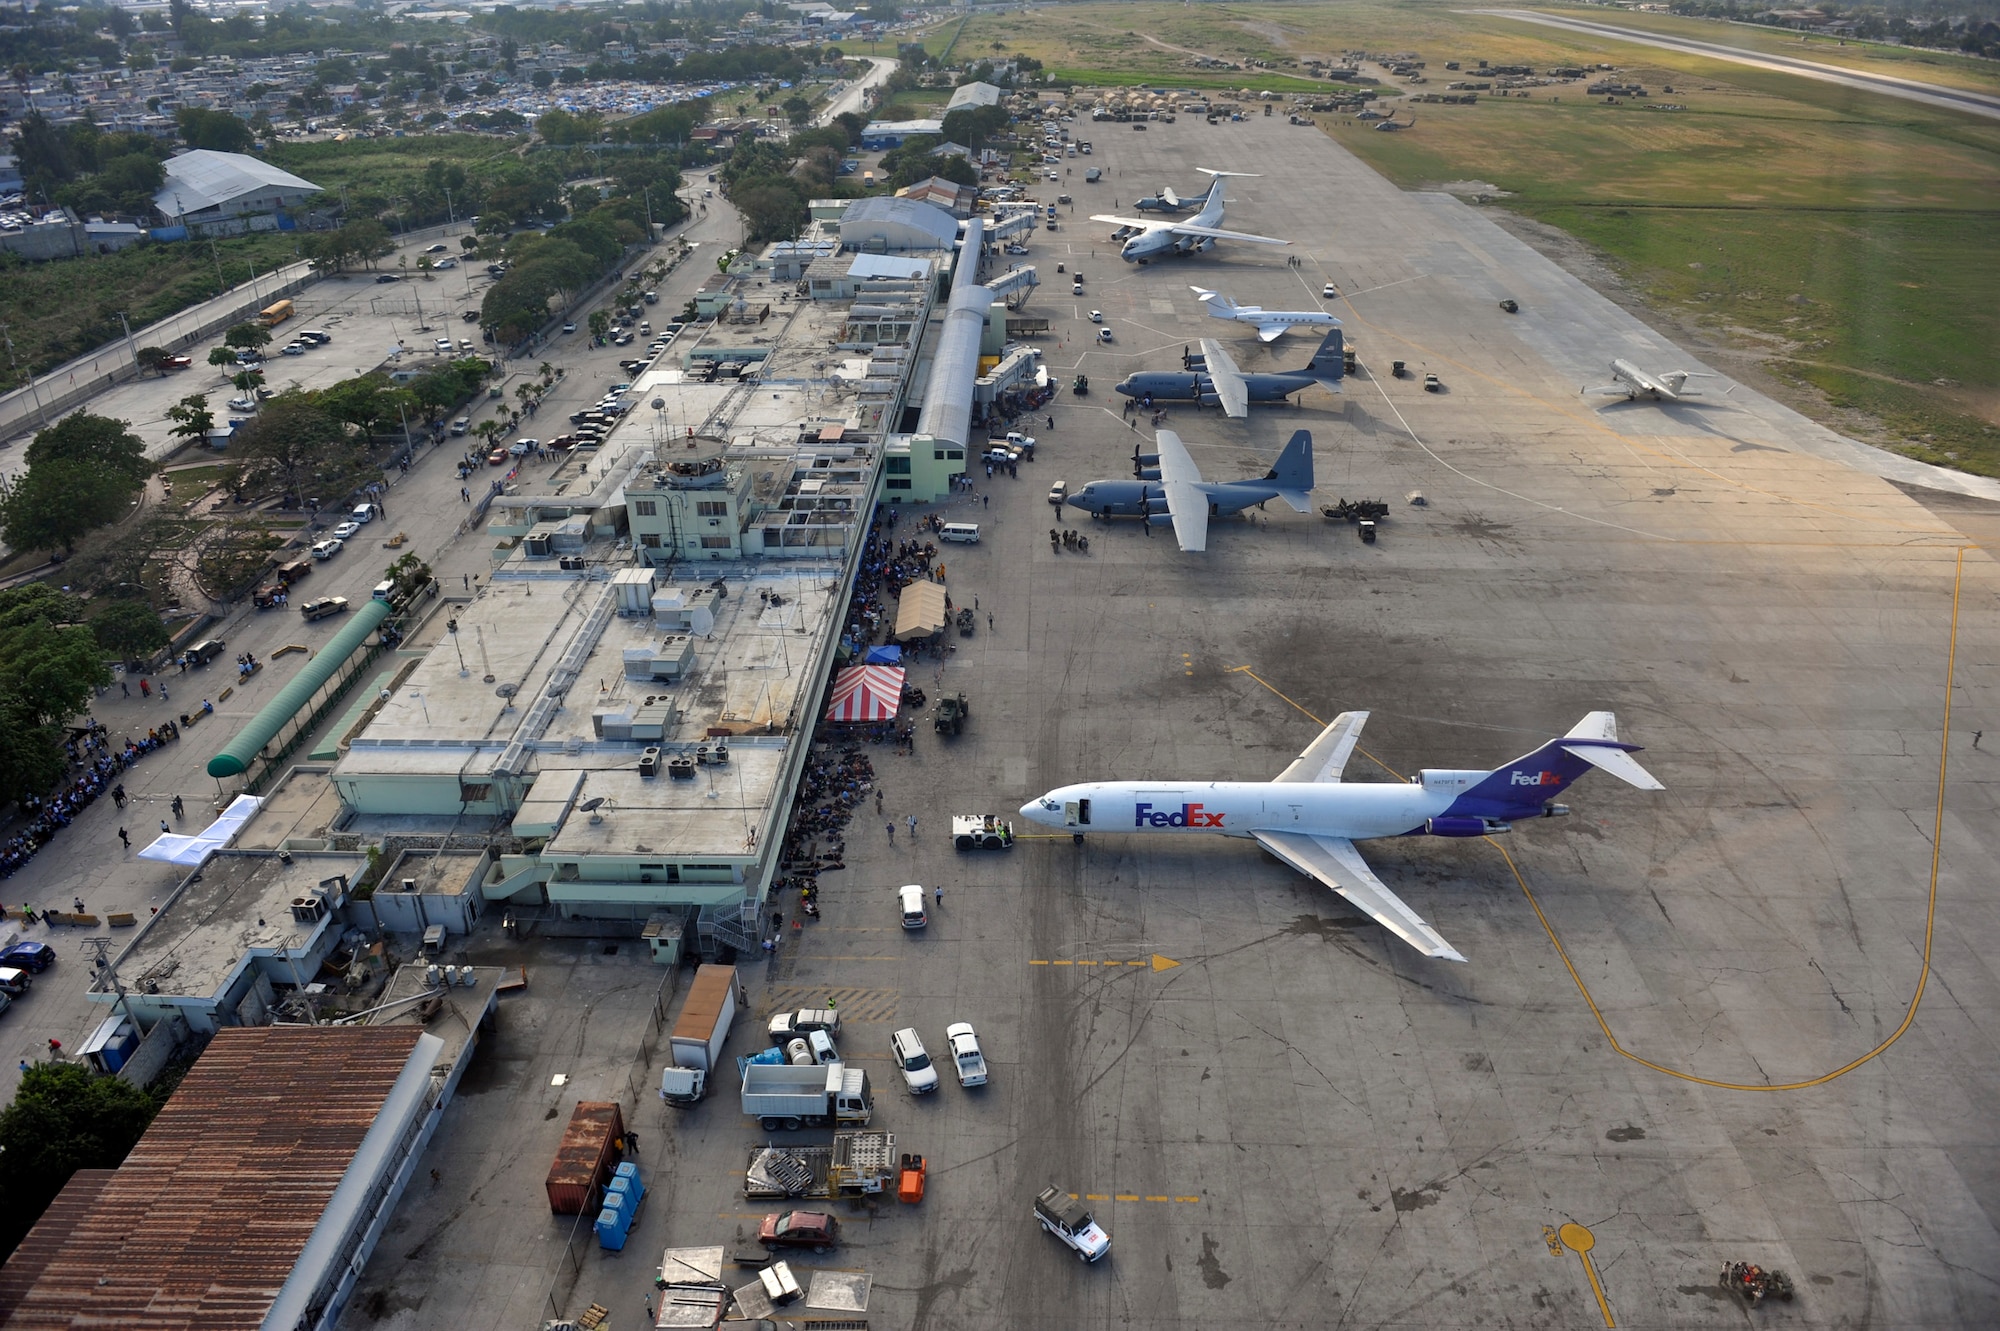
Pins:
<point x="965" y="1054"/>
<point x="521" y="448"/>
<point x="346" y="531"/>
<point x="461" y="425"/>
<point x="292" y="349"/>
<point x="1104" y="335"/>
<point x="243" y="404"/>
<point x="569" y="328"/>
<point x="818" y="1230"/>
<point x="470" y="316"/>
<point x="324" y="607"/>
<point x="387" y="277"/>
<point x="328" y="548"/>
<point x="30" y="956"/>
<point x="496" y="458"/>
<point x="177" y="362"/>
<point x="907" y="1048"/>
<point x="442" y="264"/>
<point x="438" y="248"/>
<point x="1097" y="316"/>
<point x="1328" y="292"/>
<point x="363" y="513"/>
<point x="13" y="981"/>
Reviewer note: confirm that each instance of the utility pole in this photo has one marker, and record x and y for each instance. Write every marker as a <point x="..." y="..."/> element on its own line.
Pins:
<point x="134" y="351"/>
<point x="99" y="949"/>
<point x="35" y="392"/>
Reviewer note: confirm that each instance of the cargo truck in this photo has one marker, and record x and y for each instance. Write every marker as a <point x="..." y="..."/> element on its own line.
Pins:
<point x="782" y="1096"/>
<point x="698" y="1036"/>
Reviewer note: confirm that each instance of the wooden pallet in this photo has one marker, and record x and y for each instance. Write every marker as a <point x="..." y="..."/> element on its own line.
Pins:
<point x="595" y="1316"/>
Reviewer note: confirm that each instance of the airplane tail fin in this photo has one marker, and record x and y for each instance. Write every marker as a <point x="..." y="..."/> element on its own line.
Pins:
<point x="1327" y="364"/>
<point x="1292" y="474"/>
<point x="1219" y="305"/>
<point x="1520" y="789"/>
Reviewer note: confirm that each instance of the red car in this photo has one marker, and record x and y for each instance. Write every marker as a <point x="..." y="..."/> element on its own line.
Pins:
<point x="497" y="457"/>
<point x="818" y="1230"/>
<point x="177" y="362"/>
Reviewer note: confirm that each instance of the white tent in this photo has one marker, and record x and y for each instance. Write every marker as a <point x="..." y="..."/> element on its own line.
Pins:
<point x="191" y="851"/>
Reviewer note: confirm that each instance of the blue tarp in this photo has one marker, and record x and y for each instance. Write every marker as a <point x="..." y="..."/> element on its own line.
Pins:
<point x="886" y="655"/>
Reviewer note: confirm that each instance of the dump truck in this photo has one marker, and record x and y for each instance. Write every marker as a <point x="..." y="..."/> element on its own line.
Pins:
<point x="782" y="1096"/>
<point x="857" y="1164"/>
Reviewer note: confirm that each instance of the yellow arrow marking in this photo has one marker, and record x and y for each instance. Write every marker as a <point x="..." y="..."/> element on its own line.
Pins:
<point x="1161" y="963"/>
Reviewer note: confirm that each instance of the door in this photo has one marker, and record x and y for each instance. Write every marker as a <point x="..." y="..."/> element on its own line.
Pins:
<point x="1076" y="813"/>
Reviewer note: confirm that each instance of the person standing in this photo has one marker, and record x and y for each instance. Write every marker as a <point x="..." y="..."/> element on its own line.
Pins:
<point x="125" y="837"/>
<point x="890" y="828"/>
<point x="912" y="821"/>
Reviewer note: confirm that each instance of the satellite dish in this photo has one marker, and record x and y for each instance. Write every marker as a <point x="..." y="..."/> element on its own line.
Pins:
<point x="592" y="803"/>
<point x="508" y="690"/>
<point x="659" y="404"/>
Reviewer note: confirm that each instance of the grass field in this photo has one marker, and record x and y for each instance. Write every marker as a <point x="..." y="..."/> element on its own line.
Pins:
<point x="1843" y="238"/>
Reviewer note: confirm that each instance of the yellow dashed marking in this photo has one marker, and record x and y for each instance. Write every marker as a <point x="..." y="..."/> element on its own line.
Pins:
<point x="1156" y="962"/>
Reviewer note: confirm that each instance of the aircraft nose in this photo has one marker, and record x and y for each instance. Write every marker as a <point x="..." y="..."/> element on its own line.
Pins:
<point x="1032" y="811"/>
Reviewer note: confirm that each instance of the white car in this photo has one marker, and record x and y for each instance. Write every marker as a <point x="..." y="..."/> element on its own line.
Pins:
<point x="461" y="425"/>
<point x="445" y="263"/>
<point x="907" y="1048"/>
<point x="346" y="531"/>
<point x="328" y="548"/>
<point x="521" y="448"/>
<point x="242" y="404"/>
<point x="1329" y="292"/>
<point x="1097" y="316"/>
<point x="965" y="1054"/>
<point x="1017" y="249"/>
<point x="1104" y="335"/>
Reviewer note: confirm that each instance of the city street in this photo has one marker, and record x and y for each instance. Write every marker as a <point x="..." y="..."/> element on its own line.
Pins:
<point x="86" y="860"/>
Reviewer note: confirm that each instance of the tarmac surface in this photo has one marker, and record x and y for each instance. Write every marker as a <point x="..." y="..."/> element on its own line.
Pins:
<point x="1749" y="1018"/>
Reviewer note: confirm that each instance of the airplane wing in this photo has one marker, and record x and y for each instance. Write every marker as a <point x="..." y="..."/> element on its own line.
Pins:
<point x="1334" y="861"/>
<point x="1143" y="223"/>
<point x="1225" y="378"/>
<point x="1217" y="233"/>
<point x="1326" y="757"/>
<point x="1187" y="502"/>
<point x="1271" y="332"/>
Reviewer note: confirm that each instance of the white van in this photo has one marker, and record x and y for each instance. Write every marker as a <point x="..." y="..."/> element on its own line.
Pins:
<point x="966" y="533"/>
<point x="912" y="895"/>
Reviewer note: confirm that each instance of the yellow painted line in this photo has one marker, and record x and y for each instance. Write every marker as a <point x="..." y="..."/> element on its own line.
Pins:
<point x="1187" y="1199"/>
<point x="1126" y="1197"/>
<point x="842" y="956"/>
<point x="1097" y="1196"/>
<point x="1088" y="963"/>
<point x="1246" y="670"/>
<point x="1123" y="1197"/>
<point x="1038" y="962"/>
<point x="1161" y="963"/>
<point x="1930" y="912"/>
<point x="1159" y="1199"/>
<point x="1062" y="963"/>
<point x="1580" y="1241"/>
<point x="1156" y="962"/>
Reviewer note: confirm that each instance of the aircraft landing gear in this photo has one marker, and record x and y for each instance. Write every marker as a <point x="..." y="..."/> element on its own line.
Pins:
<point x="1076" y="838"/>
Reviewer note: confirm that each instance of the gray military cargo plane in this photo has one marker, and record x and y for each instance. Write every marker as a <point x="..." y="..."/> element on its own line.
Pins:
<point x="1169" y="488"/>
<point x="1212" y="378"/>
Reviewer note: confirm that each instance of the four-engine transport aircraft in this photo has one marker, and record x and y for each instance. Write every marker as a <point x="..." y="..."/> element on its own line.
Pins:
<point x="1633" y="382"/>
<point x="1158" y="239"/>
<point x="1310" y="820"/>
<point x="1212" y="378"/>
<point x="1270" y="324"/>
<point x="1168" y="201"/>
<point x="1169" y="488"/>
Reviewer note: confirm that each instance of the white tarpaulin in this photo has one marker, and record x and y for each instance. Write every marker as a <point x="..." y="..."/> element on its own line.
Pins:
<point x="190" y="851"/>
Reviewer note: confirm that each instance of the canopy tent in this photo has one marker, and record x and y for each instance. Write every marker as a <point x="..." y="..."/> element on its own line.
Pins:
<point x="190" y="851"/>
<point x="920" y="612"/>
<point x="866" y="693"/>
<point x="886" y="655"/>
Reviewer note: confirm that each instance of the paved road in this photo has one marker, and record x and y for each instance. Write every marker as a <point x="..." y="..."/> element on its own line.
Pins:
<point x="851" y="97"/>
<point x="1979" y="104"/>
<point x="87" y="860"/>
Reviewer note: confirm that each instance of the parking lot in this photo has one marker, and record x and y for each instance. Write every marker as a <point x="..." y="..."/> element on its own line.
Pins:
<point x="1674" y="1026"/>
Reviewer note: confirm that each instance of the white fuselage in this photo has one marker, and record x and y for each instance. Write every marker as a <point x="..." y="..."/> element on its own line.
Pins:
<point x="1638" y="382"/>
<point x="1356" y="811"/>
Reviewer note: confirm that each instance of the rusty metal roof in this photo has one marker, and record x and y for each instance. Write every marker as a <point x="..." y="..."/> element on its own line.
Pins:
<point x="201" y="1226"/>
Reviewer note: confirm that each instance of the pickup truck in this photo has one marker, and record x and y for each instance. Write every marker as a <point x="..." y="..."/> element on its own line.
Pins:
<point x="1070" y="1220"/>
<point x="787" y="1025"/>
<point x="965" y="1055"/>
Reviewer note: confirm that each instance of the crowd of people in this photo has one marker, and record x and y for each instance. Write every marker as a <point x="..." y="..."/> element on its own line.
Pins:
<point x="100" y="761"/>
<point x="887" y="566"/>
<point x="831" y="790"/>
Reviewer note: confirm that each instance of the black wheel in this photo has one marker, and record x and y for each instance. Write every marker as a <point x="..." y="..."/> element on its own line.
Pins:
<point x="772" y="1124"/>
<point x="1077" y="837"/>
<point x="791" y="1125"/>
<point x="963" y="843"/>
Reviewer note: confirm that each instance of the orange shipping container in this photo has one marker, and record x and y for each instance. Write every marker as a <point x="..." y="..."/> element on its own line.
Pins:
<point x="588" y="1154"/>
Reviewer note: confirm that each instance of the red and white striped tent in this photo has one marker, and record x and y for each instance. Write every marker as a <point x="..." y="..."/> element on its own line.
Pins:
<point x="866" y="693"/>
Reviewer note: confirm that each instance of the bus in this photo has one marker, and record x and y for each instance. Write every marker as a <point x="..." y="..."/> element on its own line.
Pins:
<point x="273" y="315"/>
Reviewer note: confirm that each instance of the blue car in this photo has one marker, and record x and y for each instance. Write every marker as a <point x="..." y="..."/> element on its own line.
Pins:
<point x="36" y="957"/>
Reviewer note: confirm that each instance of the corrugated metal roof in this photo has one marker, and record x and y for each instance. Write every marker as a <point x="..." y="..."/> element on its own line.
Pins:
<point x="205" y="178"/>
<point x="201" y="1226"/>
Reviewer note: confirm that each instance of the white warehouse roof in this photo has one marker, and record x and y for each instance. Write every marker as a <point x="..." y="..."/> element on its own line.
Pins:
<point x="974" y="94"/>
<point x="204" y="179"/>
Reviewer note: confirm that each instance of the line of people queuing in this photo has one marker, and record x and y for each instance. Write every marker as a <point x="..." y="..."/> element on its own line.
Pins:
<point x="100" y="761"/>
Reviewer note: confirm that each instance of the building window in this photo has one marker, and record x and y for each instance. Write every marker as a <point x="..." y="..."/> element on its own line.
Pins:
<point x="903" y="484"/>
<point x="650" y="540"/>
<point x="712" y="508"/>
<point x="948" y="455"/>
<point x="715" y="542"/>
<point x="471" y="794"/>
<point x="646" y="508"/>
<point x="899" y="466"/>
<point x="773" y="537"/>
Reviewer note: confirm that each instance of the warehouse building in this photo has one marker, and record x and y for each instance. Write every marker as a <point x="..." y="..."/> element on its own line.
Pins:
<point x="882" y="225"/>
<point x="223" y="192"/>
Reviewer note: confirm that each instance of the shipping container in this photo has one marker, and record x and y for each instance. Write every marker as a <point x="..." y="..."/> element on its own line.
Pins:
<point x="587" y="1158"/>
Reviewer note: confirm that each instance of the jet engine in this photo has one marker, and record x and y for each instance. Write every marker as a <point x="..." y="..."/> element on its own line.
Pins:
<point x="1466" y="825"/>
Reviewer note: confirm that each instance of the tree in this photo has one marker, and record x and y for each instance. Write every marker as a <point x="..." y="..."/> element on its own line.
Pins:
<point x="50" y="663"/>
<point x="63" y="1118"/>
<point x="192" y="418"/>
<point x="293" y="445"/>
<point x="129" y="629"/>
<point x="248" y="336"/>
<point x="217" y="130"/>
<point x="153" y="359"/>
<point x="222" y="358"/>
<point x="56" y="503"/>
<point x="797" y="109"/>
<point x="97" y="440"/>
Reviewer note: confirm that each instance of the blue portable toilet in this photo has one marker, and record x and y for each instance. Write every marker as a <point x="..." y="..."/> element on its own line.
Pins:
<point x="612" y="1230"/>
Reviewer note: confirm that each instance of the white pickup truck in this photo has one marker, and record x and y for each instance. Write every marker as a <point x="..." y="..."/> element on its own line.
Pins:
<point x="1070" y="1220"/>
<point x="965" y="1055"/>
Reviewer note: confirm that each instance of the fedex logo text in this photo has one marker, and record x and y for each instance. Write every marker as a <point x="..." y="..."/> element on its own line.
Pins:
<point x="1534" y="779"/>
<point x="1188" y="815"/>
